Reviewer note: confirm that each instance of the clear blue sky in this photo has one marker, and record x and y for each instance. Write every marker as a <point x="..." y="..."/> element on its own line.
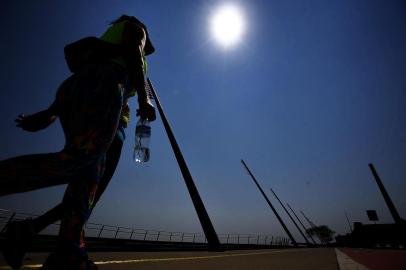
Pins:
<point x="314" y="93"/>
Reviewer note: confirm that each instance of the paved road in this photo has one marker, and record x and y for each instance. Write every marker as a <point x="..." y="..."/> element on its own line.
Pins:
<point x="312" y="259"/>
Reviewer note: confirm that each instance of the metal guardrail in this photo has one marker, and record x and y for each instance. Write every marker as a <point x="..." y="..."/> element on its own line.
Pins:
<point x="117" y="232"/>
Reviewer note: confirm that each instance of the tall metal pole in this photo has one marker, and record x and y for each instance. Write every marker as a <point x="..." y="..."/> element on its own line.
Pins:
<point x="308" y="220"/>
<point x="348" y="220"/>
<point x="270" y="204"/>
<point x="210" y="233"/>
<point x="301" y="223"/>
<point x="386" y="196"/>
<point x="312" y="225"/>
<point x="291" y="218"/>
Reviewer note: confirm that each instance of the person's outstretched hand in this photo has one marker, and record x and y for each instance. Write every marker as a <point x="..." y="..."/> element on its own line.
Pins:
<point x="35" y="121"/>
<point x="147" y="111"/>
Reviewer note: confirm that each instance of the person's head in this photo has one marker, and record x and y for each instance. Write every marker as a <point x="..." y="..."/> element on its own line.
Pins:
<point x="149" y="48"/>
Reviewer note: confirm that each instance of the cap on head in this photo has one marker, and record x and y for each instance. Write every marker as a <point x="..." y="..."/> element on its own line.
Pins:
<point x="149" y="48"/>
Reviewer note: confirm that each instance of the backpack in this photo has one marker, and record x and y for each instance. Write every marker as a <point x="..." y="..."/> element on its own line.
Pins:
<point x="89" y="50"/>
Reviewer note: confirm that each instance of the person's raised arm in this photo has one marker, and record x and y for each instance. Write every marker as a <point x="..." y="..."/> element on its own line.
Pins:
<point x="39" y="120"/>
<point x="133" y="43"/>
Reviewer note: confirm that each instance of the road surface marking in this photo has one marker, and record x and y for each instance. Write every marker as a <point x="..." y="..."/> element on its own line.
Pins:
<point x="187" y="258"/>
<point x="35" y="266"/>
<point x="346" y="263"/>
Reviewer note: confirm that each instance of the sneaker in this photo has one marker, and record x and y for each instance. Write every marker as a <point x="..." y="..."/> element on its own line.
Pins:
<point x="50" y="262"/>
<point x="91" y="265"/>
<point x="55" y="262"/>
<point x="18" y="239"/>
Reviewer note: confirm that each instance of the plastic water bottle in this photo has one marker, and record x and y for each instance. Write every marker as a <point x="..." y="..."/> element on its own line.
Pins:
<point x="142" y="137"/>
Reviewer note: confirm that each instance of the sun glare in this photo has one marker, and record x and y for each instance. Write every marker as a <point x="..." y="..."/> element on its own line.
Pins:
<point x="227" y="25"/>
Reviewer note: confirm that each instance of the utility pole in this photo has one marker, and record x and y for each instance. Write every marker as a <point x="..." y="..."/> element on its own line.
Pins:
<point x="270" y="204"/>
<point x="301" y="223"/>
<point x="291" y="218"/>
<point x="386" y="196"/>
<point x="210" y="233"/>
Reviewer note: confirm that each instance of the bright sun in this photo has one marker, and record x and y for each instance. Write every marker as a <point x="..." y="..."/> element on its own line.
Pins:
<point x="227" y="25"/>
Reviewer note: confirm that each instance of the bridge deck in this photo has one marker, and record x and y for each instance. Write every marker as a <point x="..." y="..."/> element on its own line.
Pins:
<point x="315" y="258"/>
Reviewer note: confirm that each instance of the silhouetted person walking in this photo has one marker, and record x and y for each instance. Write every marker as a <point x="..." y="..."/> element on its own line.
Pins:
<point x="93" y="111"/>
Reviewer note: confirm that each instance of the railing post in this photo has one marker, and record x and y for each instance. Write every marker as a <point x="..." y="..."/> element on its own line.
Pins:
<point x="183" y="234"/>
<point x="194" y="237"/>
<point x="228" y="237"/>
<point x="145" y="235"/>
<point x="118" y="229"/>
<point x="100" y="232"/>
<point x="272" y="240"/>
<point x="131" y="235"/>
<point x="170" y="237"/>
<point x="8" y="222"/>
<point x="266" y="238"/>
<point x="238" y="238"/>
<point x="249" y="237"/>
<point x="258" y="240"/>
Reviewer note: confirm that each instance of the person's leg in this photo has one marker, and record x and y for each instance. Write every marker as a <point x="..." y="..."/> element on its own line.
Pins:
<point x="56" y="213"/>
<point x="93" y="129"/>
<point x="112" y="159"/>
<point x="77" y="202"/>
<point x="28" y="173"/>
<point x="76" y="205"/>
<point x="31" y="172"/>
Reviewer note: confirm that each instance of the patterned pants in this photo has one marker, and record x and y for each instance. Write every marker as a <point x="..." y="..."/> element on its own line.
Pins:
<point x="88" y="105"/>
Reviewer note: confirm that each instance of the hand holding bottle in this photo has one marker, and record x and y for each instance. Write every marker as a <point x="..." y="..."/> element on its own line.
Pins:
<point x="142" y="137"/>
